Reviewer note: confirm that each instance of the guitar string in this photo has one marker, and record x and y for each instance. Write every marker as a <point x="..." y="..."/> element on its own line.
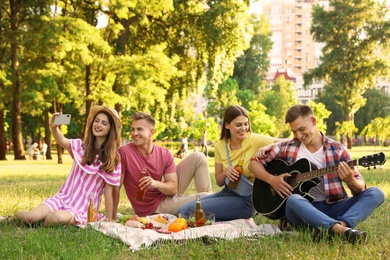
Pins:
<point x="319" y="172"/>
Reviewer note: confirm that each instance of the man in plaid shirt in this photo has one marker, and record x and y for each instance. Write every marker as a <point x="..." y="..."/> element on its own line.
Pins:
<point x="332" y="211"/>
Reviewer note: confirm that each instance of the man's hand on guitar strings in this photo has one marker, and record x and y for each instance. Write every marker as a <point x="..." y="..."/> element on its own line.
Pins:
<point x="345" y="172"/>
<point x="281" y="186"/>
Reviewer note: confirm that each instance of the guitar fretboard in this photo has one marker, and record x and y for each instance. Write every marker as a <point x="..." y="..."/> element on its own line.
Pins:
<point x="317" y="173"/>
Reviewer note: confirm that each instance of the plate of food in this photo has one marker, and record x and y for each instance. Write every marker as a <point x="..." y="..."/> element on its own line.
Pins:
<point x="132" y="221"/>
<point x="156" y="221"/>
<point x="162" y="220"/>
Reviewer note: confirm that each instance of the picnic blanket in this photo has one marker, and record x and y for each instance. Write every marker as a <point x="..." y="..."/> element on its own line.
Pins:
<point x="137" y="238"/>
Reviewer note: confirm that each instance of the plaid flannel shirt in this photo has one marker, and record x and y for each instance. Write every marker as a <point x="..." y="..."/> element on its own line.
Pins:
<point x="334" y="153"/>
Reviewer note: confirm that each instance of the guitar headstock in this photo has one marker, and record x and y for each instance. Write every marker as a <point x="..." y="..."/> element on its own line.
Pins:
<point x="372" y="160"/>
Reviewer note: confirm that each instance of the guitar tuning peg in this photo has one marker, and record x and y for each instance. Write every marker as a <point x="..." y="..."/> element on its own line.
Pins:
<point x="380" y="166"/>
<point x="368" y="168"/>
<point x="374" y="167"/>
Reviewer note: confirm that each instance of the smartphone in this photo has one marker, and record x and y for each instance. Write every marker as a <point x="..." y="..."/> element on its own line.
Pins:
<point x="63" y="119"/>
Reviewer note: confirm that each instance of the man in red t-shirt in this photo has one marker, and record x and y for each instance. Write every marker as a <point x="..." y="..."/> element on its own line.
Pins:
<point x="165" y="183"/>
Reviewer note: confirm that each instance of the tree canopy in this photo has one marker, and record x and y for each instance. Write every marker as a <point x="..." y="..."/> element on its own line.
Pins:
<point x="378" y="127"/>
<point x="150" y="56"/>
<point x="154" y="55"/>
<point x="355" y="51"/>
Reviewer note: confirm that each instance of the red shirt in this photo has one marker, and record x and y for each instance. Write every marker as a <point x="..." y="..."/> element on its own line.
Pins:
<point x="160" y="162"/>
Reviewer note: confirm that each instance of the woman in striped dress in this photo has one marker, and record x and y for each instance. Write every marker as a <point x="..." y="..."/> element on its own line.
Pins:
<point x="96" y="170"/>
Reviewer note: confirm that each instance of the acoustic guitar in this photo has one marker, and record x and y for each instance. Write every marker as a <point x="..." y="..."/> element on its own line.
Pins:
<point x="304" y="176"/>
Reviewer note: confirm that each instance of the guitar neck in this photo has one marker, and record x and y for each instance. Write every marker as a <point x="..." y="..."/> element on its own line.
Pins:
<point x="320" y="172"/>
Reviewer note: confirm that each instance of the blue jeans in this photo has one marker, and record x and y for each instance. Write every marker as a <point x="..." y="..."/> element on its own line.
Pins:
<point x="226" y="205"/>
<point x="299" y="211"/>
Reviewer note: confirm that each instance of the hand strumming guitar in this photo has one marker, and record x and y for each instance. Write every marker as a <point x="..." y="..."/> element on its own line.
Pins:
<point x="277" y="182"/>
<point x="280" y="185"/>
<point x="346" y="174"/>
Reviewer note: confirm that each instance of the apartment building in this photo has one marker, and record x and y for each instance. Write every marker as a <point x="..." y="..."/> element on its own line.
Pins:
<point x="294" y="51"/>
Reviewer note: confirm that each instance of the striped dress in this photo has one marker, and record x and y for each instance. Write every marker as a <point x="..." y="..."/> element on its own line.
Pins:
<point x="82" y="183"/>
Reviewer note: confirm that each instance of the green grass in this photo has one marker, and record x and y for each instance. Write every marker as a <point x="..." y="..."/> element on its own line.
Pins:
<point x="25" y="184"/>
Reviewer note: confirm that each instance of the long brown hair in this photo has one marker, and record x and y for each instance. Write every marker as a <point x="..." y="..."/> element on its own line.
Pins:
<point x="107" y="153"/>
<point x="231" y="113"/>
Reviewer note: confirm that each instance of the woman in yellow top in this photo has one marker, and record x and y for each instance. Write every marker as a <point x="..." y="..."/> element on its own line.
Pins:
<point x="236" y="139"/>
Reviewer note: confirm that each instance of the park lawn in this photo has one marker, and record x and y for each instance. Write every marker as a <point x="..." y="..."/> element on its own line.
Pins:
<point x="25" y="184"/>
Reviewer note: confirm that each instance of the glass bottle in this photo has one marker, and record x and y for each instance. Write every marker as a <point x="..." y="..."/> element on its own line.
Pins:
<point x="92" y="210"/>
<point x="199" y="215"/>
<point x="239" y="169"/>
<point x="140" y="195"/>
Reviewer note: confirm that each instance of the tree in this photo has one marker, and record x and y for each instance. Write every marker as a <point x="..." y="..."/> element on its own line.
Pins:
<point x="17" y="17"/>
<point x="346" y="128"/>
<point x="250" y="69"/>
<point x="378" y="128"/>
<point x="378" y="105"/>
<point x="327" y="99"/>
<point x="150" y="56"/>
<point x="261" y="123"/>
<point x="16" y="88"/>
<point x="277" y="100"/>
<point x="201" y="40"/>
<point x="62" y="50"/>
<point x="354" y="55"/>
<point x="98" y="85"/>
<point x="321" y="113"/>
<point x="200" y="124"/>
<point x="4" y="97"/>
<point x="226" y="95"/>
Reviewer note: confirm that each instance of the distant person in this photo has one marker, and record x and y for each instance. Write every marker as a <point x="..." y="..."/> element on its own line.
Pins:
<point x="332" y="211"/>
<point x="96" y="170"/>
<point x="203" y="143"/>
<point x="44" y="150"/>
<point x="236" y="139"/>
<point x="30" y="150"/>
<point x="36" y="153"/>
<point x="166" y="183"/>
<point x="184" y="146"/>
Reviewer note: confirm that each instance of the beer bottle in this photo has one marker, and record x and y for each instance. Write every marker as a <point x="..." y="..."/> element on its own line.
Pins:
<point x="239" y="169"/>
<point x="140" y="195"/>
<point x="199" y="215"/>
<point x="92" y="210"/>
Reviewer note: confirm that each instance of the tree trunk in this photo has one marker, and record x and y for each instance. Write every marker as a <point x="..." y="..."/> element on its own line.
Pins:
<point x="3" y="142"/>
<point x="59" y="154"/>
<point x="58" y="108"/>
<point x="121" y="50"/>
<point x="349" y="142"/>
<point x="47" y="134"/>
<point x="88" y="102"/>
<point x="59" y="148"/>
<point x="17" y="137"/>
<point x="349" y="137"/>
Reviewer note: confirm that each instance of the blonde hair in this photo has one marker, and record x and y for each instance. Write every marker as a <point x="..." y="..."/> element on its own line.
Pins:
<point x="142" y="115"/>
